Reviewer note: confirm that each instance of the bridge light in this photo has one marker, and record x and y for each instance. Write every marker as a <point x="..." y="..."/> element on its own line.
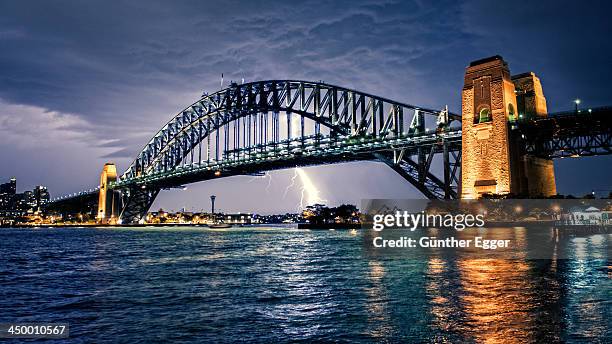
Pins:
<point x="217" y="173"/>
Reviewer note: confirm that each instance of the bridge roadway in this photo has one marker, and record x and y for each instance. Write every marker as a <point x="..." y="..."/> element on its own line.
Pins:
<point x="560" y="135"/>
<point x="574" y="134"/>
<point x="299" y="152"/>
<point x="563" y="134"/>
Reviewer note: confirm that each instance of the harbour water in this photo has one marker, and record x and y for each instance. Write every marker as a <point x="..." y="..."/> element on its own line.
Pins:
<point x="185" y="284"/>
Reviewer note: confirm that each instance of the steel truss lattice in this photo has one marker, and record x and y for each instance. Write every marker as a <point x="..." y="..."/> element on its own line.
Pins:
<point x="272" y="124"/>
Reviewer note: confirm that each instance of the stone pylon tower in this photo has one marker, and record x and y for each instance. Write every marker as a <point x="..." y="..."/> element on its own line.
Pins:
<point x="534" y="176"/>
<point x="107" y="202"/>
<point x="493" y="158"/>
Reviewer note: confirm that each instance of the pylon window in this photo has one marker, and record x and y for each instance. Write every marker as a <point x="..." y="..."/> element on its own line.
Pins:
<point x="484" y="115"/>
<point x="511" y="113"/>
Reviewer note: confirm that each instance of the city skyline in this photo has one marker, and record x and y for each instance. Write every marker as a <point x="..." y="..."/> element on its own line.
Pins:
<point x="78" y="89"/>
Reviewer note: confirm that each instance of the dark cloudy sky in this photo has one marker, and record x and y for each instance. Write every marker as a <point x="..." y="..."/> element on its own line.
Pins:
<point x="86" y="82"/>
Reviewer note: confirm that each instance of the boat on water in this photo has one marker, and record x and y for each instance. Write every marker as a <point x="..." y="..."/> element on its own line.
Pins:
<point x="219" y="225"/>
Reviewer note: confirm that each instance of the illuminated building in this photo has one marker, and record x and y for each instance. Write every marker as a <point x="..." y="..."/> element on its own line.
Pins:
<point x="7" y="194"/>
<point x="41" y="195"/>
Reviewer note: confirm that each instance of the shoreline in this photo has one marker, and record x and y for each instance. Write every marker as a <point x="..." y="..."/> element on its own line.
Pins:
<point x="96" y="225"/>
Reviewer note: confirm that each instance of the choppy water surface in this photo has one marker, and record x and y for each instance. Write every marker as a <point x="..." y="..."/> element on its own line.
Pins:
<point x="274" y="285"/>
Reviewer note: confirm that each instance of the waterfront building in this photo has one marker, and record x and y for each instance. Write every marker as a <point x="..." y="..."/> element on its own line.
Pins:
<point x="25" y="202"/>
<point x="588" y="215"/>
<point x="10" y="187"/>
<point x="238" y="219"/>
<point x="18" y="204"/>
<point x="7" y="194"/>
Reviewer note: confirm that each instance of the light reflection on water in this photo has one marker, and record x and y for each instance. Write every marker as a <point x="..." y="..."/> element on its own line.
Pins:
<point x="497" y="298"/>
<point x="274" y="285"/>
<point x="377" y="302"/>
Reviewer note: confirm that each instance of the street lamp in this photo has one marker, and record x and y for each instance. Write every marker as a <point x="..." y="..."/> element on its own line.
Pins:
<point x="577" y="102"/>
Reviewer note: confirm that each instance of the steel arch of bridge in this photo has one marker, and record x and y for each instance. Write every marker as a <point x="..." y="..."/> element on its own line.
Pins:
<point x="244" y="121"/>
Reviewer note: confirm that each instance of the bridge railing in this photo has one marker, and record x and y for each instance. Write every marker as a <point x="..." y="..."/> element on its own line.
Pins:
<point x="76" y="194"/>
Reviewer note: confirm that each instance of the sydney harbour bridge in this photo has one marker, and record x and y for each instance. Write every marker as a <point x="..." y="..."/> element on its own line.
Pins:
<point x="251" y="128"/>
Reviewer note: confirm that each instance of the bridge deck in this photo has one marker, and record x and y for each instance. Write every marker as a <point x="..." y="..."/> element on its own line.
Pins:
<point x="295" y="153"/>
<point x="569" y="134"/>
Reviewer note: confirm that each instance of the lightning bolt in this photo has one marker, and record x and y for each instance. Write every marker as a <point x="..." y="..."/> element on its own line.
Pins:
<point x="269" y="176"/>
<point x="309" y="193"/>
<point x="301" y="205"/>
<point x="309" y="188"/>
<point x="295" y="175"/>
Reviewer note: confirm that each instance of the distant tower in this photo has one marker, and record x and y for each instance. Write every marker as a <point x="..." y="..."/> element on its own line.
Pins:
<point x="212" y="201"/>
<point x="535" y="176"/>
<point x="493" y="157"/>
<point x="530" y="99"/>
<point x="107" y="206"/>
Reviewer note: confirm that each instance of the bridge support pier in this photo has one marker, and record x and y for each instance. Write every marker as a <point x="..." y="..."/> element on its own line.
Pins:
<point x="137" y="201"/>
<point x="108" y="200"/>
<point x="494" y="159"/>
<point x="536" y="175"/>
